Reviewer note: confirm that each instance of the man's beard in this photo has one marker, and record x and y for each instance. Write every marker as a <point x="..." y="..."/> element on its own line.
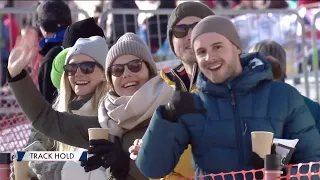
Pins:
<point x="189" y="57"/>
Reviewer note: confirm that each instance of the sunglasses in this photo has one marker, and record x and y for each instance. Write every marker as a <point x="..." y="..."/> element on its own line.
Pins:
<point x="118" y="69"/>
<point x="85" y="67"/>
<point x="182" y="30"/>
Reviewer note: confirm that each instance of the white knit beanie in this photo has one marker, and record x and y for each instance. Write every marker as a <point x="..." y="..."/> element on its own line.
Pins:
<point x="95" y="47"/>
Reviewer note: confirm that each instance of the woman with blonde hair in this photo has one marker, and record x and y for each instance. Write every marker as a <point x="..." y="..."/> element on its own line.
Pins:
<point x="81" y="88"/>
<point x="83" y="82"/>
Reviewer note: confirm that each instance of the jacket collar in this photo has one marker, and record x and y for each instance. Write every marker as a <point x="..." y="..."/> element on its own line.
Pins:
<point x="181" y="78"/>
<point x="255" y="70"/>
<point x="57" y="38"/>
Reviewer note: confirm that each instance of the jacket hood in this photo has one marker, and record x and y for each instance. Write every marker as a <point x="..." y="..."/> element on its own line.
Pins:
<point x="255" y="70"/>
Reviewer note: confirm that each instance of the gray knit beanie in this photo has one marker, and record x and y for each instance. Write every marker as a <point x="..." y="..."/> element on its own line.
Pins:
<point x="217" y="24"/>
<point x="95" y="47"/>
<point x="183" y="10"/>
<point x="130" y="44"/>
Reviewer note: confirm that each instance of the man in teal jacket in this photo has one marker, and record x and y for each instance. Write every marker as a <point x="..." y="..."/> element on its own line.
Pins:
<point x="274" y="49"/>
<point x="237" y="95"/>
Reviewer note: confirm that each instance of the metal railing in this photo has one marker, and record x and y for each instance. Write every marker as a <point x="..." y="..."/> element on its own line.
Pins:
<point x="32" y="11"/>
<point x="135" y="13"/>
<point x="315" y="57"/>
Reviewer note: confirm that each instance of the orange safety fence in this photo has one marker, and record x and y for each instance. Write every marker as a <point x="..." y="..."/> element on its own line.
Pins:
<point x="299" y="171"/>
<point x="14" y="133"/>
<point x="14" y="126"/>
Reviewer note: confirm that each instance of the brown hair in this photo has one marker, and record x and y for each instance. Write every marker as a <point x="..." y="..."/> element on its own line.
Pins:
<point x="275" y="50"/>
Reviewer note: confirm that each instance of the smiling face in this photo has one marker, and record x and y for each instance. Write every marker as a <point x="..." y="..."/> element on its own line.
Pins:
<point x="182" y="46"/>
<point x="128" y="74"/>
<point x="83" y="83"/>
<point x="217" y="57"/>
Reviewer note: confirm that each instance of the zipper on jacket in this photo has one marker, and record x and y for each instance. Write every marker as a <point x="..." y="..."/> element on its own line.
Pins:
<point x="194" y="72"/>
<point x="245" y="128"/>
<point x="237" y="128"/>
<point x="233" y="102"/>
<point x="181" y="82"/>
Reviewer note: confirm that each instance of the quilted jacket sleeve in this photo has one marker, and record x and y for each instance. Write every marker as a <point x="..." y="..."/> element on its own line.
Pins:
<point x="163" y="144"/>
<point x="301" y="125"/>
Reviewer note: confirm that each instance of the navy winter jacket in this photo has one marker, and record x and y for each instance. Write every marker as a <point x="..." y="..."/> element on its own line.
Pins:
<point x="221" y="137"/>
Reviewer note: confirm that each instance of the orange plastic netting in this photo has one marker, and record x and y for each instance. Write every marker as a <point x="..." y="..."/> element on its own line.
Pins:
<point x="14" y="127"/>
<point x="301" y="171"/>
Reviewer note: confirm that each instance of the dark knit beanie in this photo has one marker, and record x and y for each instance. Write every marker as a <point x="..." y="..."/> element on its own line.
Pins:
<point x="217" y="24"/>
<point x="54" y="15"/>
<point x="183" y="10"/>
<point x="82" y="29"/>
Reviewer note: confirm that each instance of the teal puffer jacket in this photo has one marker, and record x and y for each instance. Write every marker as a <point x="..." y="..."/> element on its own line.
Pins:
<point x="314" y="108"/>
<point x="221" y="137"/>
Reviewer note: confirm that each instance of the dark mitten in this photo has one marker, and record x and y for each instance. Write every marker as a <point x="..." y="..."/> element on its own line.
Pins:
<point x="108" y="154"/>
<point x="180" y="104"/>
<point x="94" y="162"/>
<point x="258" y="163"/>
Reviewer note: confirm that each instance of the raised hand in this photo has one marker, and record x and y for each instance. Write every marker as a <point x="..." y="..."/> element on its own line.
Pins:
<point x="24" y="51"/>
<point x="180" y="104"/>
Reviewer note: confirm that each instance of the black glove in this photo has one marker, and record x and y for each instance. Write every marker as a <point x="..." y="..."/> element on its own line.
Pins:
<point x="257" y="161"/>
<point x="180" y="104"/>
<point x="108" y="154"/>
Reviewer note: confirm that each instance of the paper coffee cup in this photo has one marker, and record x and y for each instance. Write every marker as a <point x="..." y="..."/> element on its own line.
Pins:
<point x="21" y="170"/>
<point x="261" y="142"/>
<point x="98" y="133"/>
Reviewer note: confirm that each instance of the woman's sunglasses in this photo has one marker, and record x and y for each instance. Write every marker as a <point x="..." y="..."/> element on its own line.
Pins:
<point x="182" y="30"/>
<point x="133" y="66"/>
<point x="85" y="67"/>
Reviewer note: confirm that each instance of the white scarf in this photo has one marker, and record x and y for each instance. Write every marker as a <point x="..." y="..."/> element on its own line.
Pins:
<point x="120" y="114"/>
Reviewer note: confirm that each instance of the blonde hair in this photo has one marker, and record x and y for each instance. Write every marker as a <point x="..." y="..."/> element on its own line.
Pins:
<point x="66" y="94"/>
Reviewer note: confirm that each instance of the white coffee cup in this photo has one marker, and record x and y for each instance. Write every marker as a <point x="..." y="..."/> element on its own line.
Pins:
<point x="98" y="133"/>
<point x="261" y="142"/>
<point x="21" y="170"/>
